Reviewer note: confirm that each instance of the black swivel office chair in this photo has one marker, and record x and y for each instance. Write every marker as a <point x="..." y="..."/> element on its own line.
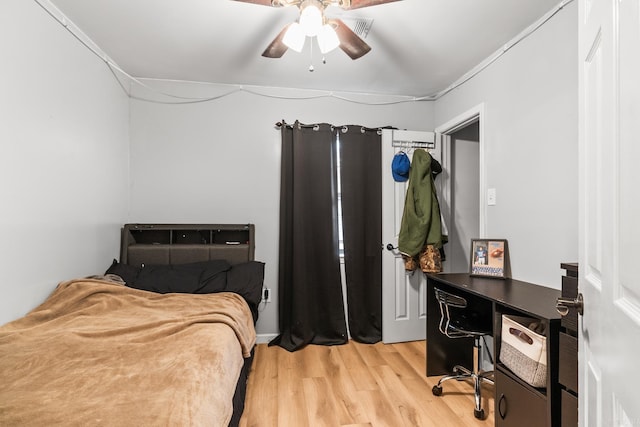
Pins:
<point x="457" y="322"/>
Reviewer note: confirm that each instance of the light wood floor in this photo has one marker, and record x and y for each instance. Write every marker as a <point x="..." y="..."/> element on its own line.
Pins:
<point x="355" y="385"/>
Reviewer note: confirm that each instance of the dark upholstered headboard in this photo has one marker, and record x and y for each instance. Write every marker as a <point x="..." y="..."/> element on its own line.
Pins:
<point x="170" y="244"/>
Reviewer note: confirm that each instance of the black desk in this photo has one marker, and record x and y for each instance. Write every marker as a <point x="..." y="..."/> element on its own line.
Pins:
<point x="516" y="402"/>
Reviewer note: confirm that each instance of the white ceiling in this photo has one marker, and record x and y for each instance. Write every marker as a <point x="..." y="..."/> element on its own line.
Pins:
<point x="419" y="47"/>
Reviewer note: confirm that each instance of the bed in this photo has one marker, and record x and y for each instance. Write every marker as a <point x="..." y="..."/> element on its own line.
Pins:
<point x="164" y="336"/>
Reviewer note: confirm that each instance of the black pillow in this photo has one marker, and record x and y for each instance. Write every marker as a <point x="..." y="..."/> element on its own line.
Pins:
<point x="204" y="277"/>
<point x="163" y="279"/>
<point x="194" y="278"/>
<point x="247" y="279"/>
<point x="212" y="275"/>
<point x="128" y="273"/>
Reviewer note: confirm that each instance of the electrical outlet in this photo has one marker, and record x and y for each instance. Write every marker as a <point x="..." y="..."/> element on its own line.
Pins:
<point x="491" y="197"/>
<point x="266" y="295"/>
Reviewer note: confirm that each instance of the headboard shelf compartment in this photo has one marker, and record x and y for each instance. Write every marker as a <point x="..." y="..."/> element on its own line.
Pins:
<point x="186" y="237"/>
<point x="182" y="243"/>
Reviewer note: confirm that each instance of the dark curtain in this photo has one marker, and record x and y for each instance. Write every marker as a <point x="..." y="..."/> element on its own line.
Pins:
<point x="311" y="309"/>
<point x="361" y="179"/>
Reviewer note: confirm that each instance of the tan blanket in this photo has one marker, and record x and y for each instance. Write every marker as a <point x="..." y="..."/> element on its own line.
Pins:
<point x="99" y="353"/>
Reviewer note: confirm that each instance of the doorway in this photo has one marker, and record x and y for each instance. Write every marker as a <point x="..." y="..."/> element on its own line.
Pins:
<point x="462" y="188"/>
<point x="464" y="199"/>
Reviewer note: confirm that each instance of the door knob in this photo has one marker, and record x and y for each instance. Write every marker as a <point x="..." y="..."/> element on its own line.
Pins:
<point x="390" y="247"/>
<point x="564" y="304"/>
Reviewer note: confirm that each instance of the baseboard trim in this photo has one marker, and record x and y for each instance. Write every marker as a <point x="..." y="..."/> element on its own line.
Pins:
<point x="265" y="338"/>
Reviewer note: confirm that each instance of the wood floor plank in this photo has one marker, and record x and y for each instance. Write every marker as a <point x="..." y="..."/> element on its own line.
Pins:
<point x="263" y="376"/>
<point x="350" y="355"/>
<point x="369" y="353"/>
<point x="312" y="365"/>
<point x="396" y="393"/>
<point x="286" y="359"/>
<point x="414" y="353"/>
<point x="436" y="409"/>
<point x="459" y="396"/>
<point x="380" y="411"/>
<point x="400" y="365"/>
<point x="291" y="406"/>
<point x="348" y="408"/>
<point x="320" y="402"/>
<point x="357" y="368"/>
<point x="362" y="379"/>
<point x="355" y="385"/>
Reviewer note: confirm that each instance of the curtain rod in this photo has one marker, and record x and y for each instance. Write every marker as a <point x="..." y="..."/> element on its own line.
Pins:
<point x="344" y="128"/>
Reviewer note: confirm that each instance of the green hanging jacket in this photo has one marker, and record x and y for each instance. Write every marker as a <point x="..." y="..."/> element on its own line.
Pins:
<point x="421" y="217"/>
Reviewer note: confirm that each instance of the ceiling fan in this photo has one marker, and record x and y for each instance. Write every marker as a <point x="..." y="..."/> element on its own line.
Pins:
<point x="330" y="33"/>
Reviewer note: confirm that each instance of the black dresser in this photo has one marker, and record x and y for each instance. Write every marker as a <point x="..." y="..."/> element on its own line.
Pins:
<point x="568" y="366"/>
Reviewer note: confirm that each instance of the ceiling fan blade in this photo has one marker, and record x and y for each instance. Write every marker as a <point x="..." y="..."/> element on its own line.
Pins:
<point x="277" y="48"/>
<point x="262" y="2"/>
<point x="359" y="4"/>
<point x="350" y="43"/>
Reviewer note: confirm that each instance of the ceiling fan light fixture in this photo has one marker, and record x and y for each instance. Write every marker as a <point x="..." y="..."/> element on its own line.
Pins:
<point x="329" y="32"/>
<point x="294" y="37"/>
<point x="327" y="39"/>
<point x="310" y="17"/>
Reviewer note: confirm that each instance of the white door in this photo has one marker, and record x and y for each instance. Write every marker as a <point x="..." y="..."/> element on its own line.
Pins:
<point x="609" y="121"/>
<point x="404" y="297"/>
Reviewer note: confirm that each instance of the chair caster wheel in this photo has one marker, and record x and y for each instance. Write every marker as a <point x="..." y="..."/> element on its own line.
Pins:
<point x="437" y="391"/>
<point x="479" y="414"/>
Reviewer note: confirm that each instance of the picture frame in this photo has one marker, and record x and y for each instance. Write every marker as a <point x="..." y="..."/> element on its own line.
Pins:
<point x="489" y="258"/>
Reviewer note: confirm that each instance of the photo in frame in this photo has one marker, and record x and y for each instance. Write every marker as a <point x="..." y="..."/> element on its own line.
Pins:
<point x="489" y="258"/>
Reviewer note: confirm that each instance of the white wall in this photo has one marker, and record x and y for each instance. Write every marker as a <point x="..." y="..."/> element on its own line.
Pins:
<point x="64" y="167"/>
<point x="63" y="159"/>
<point x="531" y="137"/>
<point x="219" y="161"/>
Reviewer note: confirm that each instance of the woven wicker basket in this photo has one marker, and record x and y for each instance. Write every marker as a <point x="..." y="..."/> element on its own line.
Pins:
<point x="523" y="350"/>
